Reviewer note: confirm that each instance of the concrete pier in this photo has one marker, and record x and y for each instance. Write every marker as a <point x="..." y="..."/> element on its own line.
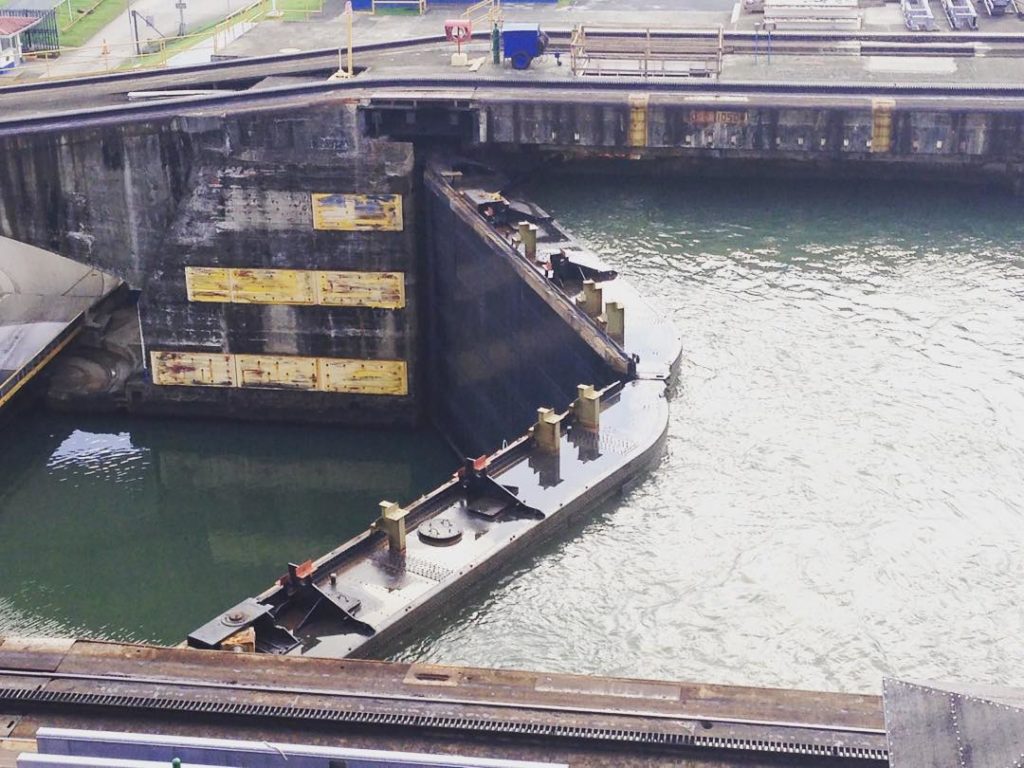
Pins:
<point x="581" y="721"/>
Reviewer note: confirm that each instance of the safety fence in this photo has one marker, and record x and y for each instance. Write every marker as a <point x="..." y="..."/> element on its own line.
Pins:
<point x="153" y="50"/>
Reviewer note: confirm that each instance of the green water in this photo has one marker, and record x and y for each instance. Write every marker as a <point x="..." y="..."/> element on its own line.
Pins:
<point x="133" y="529"/>
<point x="841" y="497"/>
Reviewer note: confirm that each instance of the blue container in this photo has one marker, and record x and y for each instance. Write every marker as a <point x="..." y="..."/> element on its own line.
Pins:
<point x="522" y="43"/>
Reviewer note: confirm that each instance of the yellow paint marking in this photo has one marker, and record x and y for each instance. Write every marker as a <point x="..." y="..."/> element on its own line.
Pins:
<point x="638" y="119"/>
<point x="357" y="213"/>
<point x="384" y="290"/>
<point x="193" y="369"/>
<point x="323" y="374"/>
<point x="208" y="283"/>
<point x="365" y="377"/>
<point x="276" y="371"/>
<point x="881" y="124"/>
<point x="273" y="286"/>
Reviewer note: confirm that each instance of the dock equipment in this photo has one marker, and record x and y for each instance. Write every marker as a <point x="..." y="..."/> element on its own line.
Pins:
<point x="522" y="43"/>
<point x="813" y="14"/>
<point x="918" y="16"/>
<point x="998" y="7"/>
<point x="961" y="14"/>
<point x="622" y="50"/>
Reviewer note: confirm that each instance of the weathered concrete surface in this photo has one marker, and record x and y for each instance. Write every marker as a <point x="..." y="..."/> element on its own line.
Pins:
<point x="486" y="708"/>
<point x="143" y="201"/>
<point x="496" y="349"/>
<point x="931" y="137"/>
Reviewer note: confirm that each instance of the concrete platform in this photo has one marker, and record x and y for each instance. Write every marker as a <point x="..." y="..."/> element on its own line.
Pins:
<point x="577" y="720"/>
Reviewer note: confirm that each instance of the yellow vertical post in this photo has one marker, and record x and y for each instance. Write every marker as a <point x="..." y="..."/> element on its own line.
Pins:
<point x="392" y="522"/>
<point x="587" y="406"/>
<point x="615" y="318"/>
<point x="881" y="124"/>
<point x="638" y="119"/>
<point x="548" y="430"/>
<point x="528" y="234"/>
<point x="591" y="300"/>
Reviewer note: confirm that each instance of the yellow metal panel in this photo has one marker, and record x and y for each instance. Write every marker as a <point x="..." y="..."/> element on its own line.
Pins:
<point x="364" y="377"/>
<point x="881" y="124"/>
<point x="208" y="283"/>
<point x="385" y="290"/>
<point x="638" y="119"/>
<point x="273" y="286"/>
<point x="277" y="371"/>
<point x="357" y="213"/>
<point x="192" y="369"/>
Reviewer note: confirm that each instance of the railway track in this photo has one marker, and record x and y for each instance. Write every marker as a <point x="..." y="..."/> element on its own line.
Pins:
<point x="60" y="103"/>
<point x="632" y="727"/>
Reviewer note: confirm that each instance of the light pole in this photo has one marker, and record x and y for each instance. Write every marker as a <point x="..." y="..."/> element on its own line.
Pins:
<point x="181" y="5"/>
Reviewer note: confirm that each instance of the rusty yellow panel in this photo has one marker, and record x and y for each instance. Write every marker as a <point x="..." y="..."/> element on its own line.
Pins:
<point x="384" y="290"/>
<point x="277" y="371"/>
<point x="273" y="286"/>
<point x="208" y="283"/>
<point x="364" y="377"/>
<point x="638" y="119"/>
<point x="357" y="213"/>
<point x="192" y="369"/>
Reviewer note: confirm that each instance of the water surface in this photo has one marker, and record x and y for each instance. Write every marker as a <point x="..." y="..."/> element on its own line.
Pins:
<point x="842" y="495"/>
<point x="139" y="529"/>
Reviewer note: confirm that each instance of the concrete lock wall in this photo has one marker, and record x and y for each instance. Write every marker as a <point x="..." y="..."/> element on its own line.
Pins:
<point x="867" y="135"/>
<point x="496" y="350"/>
<point x="275" y="254"/>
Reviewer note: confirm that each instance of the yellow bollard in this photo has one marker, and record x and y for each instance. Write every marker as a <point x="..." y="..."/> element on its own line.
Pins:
<point x="587" y="406"/>
<point x="392" y="522"/>
<point x="591" y="300"/>
<point x="547" y="432"/>
<point x="528" y="235"/>
<point x="615" y="317"/>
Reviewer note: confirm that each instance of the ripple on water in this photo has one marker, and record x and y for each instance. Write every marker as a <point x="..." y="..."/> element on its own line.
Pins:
<point x="843" y="483"/>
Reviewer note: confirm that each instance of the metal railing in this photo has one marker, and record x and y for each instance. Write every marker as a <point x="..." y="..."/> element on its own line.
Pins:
<point x="156" y="51"/>
<point x="485" y="10"/>
<point x="645" y="51"/>
<point x="419" y="5"/>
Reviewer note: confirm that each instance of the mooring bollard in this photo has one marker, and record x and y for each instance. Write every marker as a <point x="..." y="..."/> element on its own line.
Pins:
<point x="587" y="406"/>
<point x="591" y="300"/>
<point x="548" y="430"/>
<point x="615" y="318"/>
<point x="392" y="522"/>
<point x="528" y="236"/>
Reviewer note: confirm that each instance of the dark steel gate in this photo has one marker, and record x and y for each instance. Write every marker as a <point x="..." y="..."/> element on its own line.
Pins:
<point x="41" y="36"/>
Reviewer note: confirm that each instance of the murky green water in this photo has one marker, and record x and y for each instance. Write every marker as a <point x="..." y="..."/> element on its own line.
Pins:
<point x="144" y="529"/>
<point x="842" y="494"/>
<point x="843" y="491"/>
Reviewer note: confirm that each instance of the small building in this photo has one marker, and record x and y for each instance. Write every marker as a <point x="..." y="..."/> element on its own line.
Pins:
<point x="11" y="30"/>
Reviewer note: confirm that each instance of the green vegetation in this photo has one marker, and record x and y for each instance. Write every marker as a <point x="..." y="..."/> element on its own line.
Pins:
<point x="87" y="18"/>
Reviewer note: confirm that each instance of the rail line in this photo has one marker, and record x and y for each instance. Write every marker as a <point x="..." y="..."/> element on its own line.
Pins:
<point x="379" y="86"/>
<point x="327" y="57"/>
<point x="699" y="731"/>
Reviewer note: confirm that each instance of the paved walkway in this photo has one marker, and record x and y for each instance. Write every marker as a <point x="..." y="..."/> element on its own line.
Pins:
<point x="118" y="36"/>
